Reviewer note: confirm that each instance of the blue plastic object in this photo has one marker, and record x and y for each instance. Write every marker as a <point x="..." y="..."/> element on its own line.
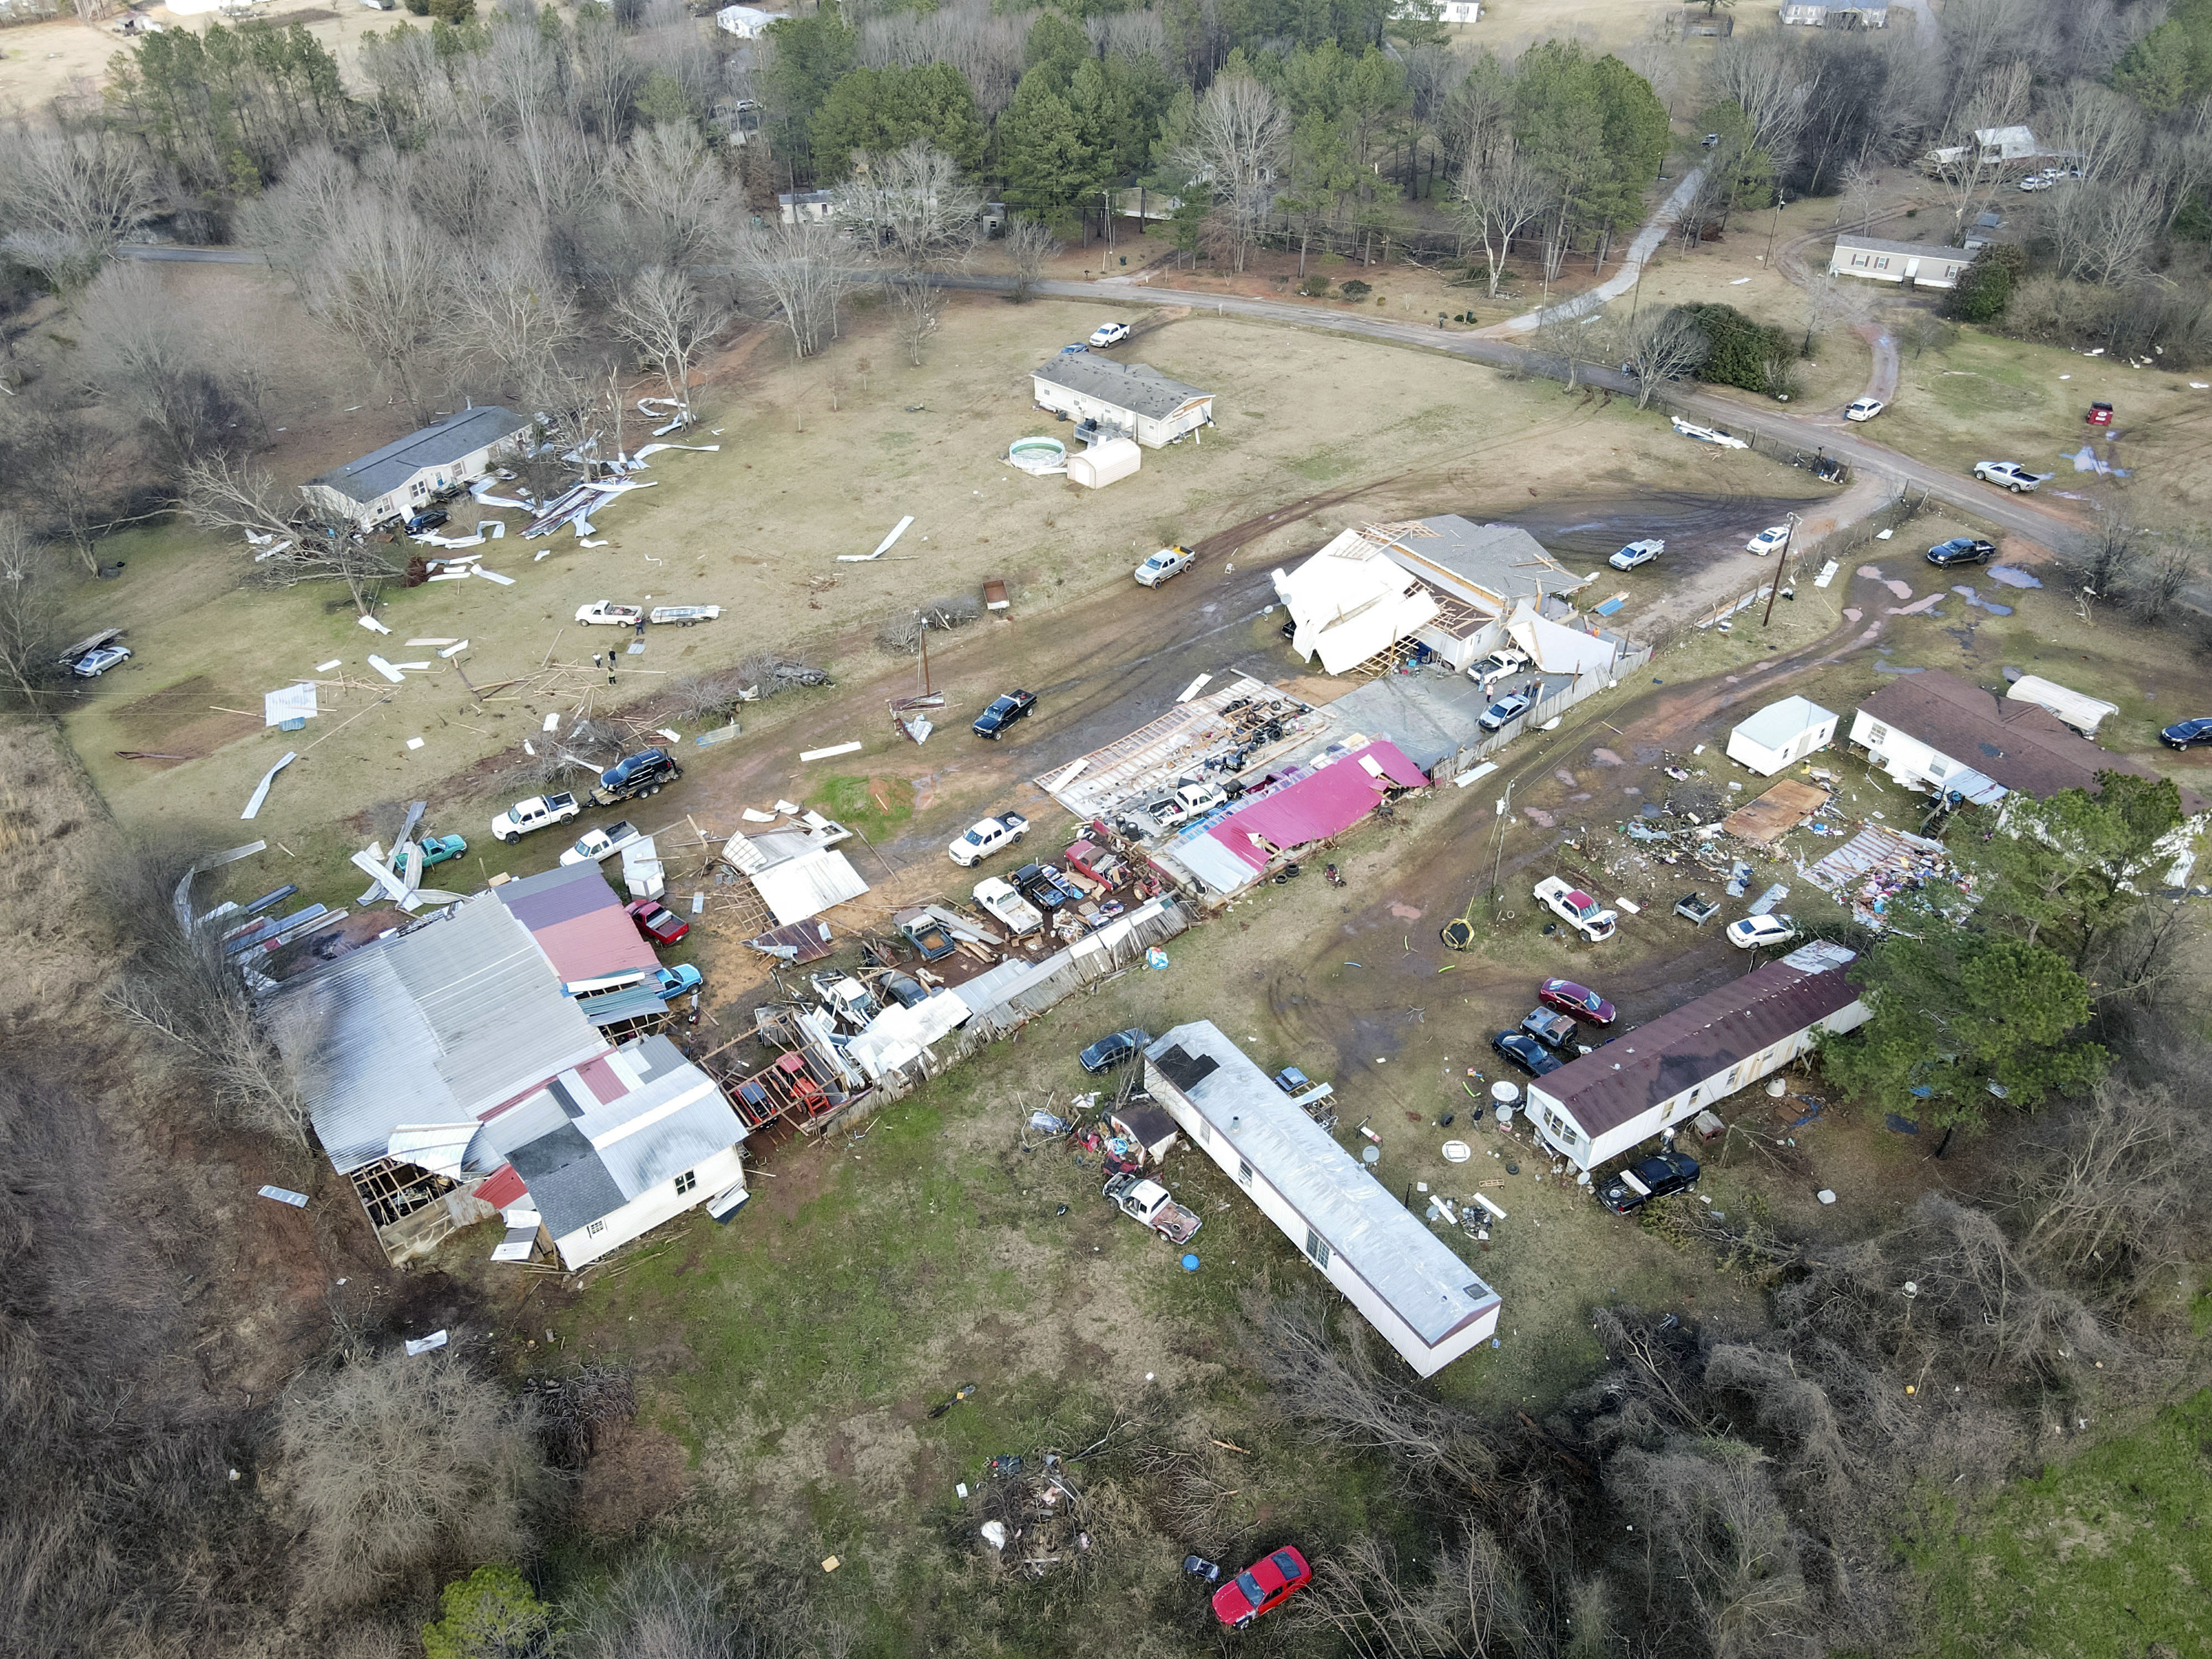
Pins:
<point x="1190" y="1264"/>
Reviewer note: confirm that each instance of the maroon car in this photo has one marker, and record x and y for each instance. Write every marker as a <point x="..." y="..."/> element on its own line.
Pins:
<point x="1579" y="1001"/>
<point x="1266" y="1584"/>
<point x="657" y="923"/>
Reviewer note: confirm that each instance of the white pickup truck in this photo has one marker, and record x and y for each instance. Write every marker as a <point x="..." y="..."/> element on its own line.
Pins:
<point x="986" y="837"/>
<point x="599" y="845"/>
<point x="539" y="812"/>
<point x="998" y="900"/>
<point x="1148" y="1202"/>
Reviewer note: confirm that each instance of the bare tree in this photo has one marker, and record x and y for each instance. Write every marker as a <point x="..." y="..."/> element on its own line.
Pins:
<point x="295" y="546"/>
<point x="401" y="1468"/>
<point x="145" y="354"/>
<point x="663" y="314"/>
<point x="2098" y="130"/>
<point x="1029" y="244"/>
<point x="382" y="281"/>
<point x="1499" y="196"/>
<point x="30" y="614"/>
<point x="1858" y="184"/>
<point x="67" y="468"/>
<point x="1766" y="80"/>
<point x="510" y="310"/>
<point x="68" y="199"/>
<point x="1238" y="138"/>
<point x="914" y="203"/>
<point x="798" y="271"/>
<point x="920" y="298"/>
<point x="1662" y="346"/>
<point x="1832" y="301"/>
<point x="2109" y="1192"/>
<point x="2111" y="229"/>
<point x="1711" y="1505"/>
<point x="679" y="192"/>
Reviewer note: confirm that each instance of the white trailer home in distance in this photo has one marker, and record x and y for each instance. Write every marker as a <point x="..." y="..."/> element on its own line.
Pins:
<point x="1411" y="1285"/>
<point x="1594" y="1109"/>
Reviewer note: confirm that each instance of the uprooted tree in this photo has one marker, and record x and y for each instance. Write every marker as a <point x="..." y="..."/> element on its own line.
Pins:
<point x="294" y="544"/>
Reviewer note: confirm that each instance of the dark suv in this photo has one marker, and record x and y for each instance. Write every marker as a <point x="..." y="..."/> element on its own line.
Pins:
<point x="1660" y="1176"/>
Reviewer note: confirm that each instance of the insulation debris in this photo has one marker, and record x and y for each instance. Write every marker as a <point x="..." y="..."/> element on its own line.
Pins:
<point x="372" y="624"/>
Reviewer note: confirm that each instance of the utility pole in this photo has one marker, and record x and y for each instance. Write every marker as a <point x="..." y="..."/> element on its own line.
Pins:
<point x="1781" y="563"/>
<point x="1767" y="258"/>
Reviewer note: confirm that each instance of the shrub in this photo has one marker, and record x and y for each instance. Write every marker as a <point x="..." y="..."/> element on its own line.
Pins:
<point x="490" y="1614"/>
<point x="1356" y="290"/>
<point x="1313" y="286"/>
<point x="398" y="1468"/>
<point x="1986" y="286"/>
<point x="1743" y="352"/>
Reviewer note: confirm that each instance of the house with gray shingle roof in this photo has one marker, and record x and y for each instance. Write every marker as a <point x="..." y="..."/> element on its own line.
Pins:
<point x="1132" y="397"/>
<point x="396" y="481"/>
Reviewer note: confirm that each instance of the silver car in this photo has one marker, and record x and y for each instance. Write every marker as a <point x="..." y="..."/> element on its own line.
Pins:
<point x="2010" y="475"/>
<point x="93" y="663"/>
<point x="1637" y="553"/>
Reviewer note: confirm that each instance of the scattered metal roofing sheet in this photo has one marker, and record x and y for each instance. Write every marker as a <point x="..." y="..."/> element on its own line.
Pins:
<point x="1326" y="803"/>
<point x="809" y="941"/>
<point x="806" y="886"/>
<point x="1417" y="1273"/>
<point x="441" y="1023"/>
<point x="1775" y="813"/>
<point x="613" y="1008"/>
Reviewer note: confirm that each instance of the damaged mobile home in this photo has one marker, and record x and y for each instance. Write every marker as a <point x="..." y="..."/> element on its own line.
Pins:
<point x="454" y="1073"/>
<point x="1410" y="1285"/>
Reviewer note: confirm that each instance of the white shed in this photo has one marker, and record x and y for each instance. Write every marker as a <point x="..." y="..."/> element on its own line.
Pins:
<point x="1781" y="734"/>
<point x="1104" y="464"/>
<point x="2083" y="713"/>
<point x="746" y="23"/>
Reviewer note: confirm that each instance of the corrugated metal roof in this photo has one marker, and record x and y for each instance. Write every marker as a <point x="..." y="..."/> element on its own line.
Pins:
<point x="440" y="1023"/>
<point x="612" y="1007"/>
<point x="1418" y="1275"/>
<point x="1626" y="1078"/>
<point x="440" y="444"/>
<point x="808" y="885"/>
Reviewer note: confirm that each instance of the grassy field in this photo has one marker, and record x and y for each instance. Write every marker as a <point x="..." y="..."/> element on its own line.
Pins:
<point x="2106" y="1552"/>
<point x="755" y="528"/>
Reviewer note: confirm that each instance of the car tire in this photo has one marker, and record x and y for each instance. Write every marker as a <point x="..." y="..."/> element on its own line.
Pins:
<point x="2015" y="489"/>
<point x="505" y="841"/>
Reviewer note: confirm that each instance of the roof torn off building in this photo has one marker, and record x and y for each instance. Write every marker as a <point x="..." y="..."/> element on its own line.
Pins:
<point x="1234" y="849"/>
<point x="1240" y="715"/>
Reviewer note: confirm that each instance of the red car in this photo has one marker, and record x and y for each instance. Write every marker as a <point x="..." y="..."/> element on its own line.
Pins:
<point x="1265" y="1584"/>
<point x="1578" y="1001"/>
<point x="657" y="923"/>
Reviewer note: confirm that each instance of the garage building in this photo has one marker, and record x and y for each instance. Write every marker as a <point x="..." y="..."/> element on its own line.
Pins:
<point x="1133" y="398"/>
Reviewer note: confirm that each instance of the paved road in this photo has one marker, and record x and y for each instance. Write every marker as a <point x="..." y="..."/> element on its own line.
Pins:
<point x="2023" y="515"/>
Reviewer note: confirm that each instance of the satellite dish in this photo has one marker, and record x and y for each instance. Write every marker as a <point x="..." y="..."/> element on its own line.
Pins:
<point x="1370" y="1154"/>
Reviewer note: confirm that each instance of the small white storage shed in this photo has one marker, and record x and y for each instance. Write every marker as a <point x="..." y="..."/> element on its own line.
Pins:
<point x="1781" y="734"/>
<point x="1105" y="462"/>
<point x="2083" y="713"/>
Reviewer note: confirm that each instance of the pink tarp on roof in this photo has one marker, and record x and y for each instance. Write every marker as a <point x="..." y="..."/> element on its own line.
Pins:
<point x="1314" y="808"/>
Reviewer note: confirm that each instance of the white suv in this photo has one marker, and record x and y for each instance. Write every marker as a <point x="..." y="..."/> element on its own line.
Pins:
<point x="2010" y="474"/>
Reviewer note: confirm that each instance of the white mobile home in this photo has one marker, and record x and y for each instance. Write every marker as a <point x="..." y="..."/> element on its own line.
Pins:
<point x="1594" y="1109"/>
<point x="400" y="478"/>
<point x="1923" y="265"/>
<point x="1409" y="1284"/>
<point x="1781" y="734"/>
<point x="1134" y="398"/>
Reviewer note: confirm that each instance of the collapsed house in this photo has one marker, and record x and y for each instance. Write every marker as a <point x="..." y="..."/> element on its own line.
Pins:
<point x="1646" y="1081"/>
<point x="399" y="479"/>
<point x="1409" y="1284"/>
<point x="1452" y="585"/>
<point x="453" y="1072"/>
